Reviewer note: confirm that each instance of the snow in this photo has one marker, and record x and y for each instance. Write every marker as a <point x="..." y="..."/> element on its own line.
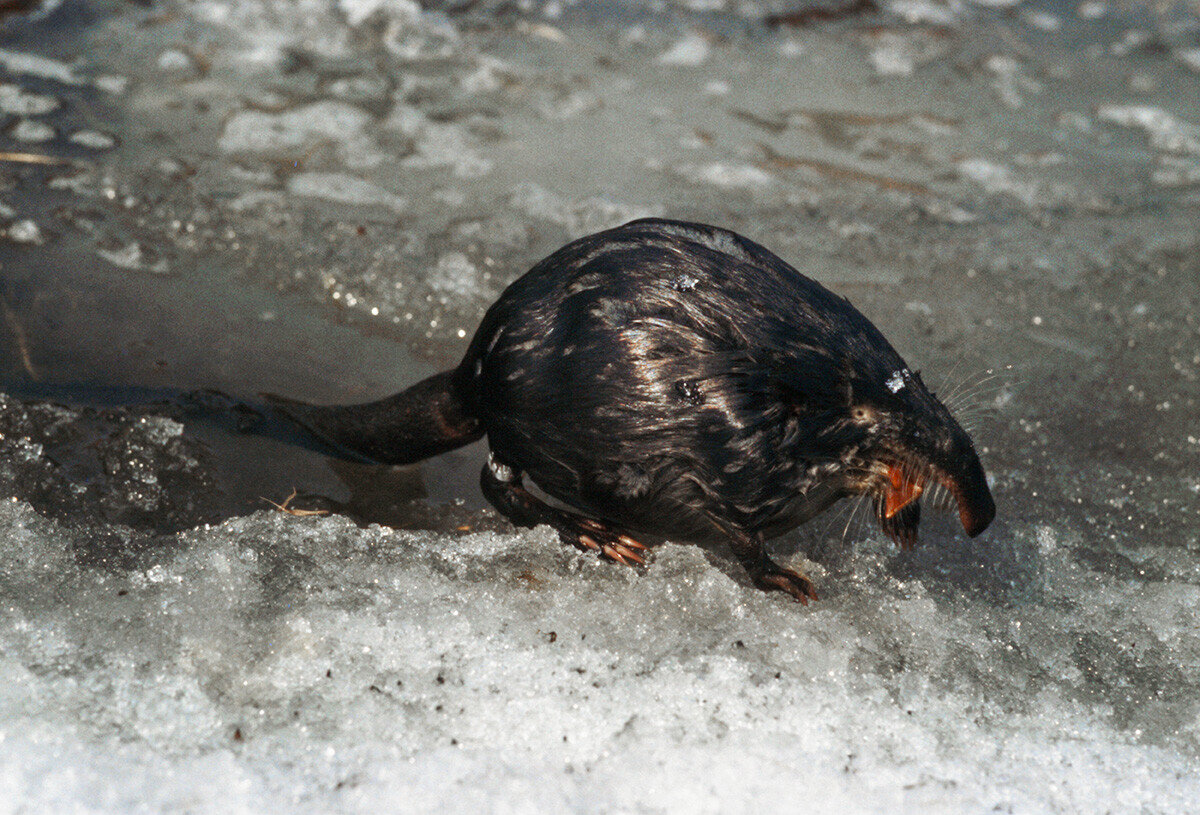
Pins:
<point x="328" y="196"/>
<point x="308" y="661"/>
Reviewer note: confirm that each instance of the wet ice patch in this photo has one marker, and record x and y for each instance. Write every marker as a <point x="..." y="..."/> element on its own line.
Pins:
<point x="32" y="131"/>
<point x="691" y="50"/>
<point x="581" y="217"/>
<point x="359" y="11"/>
<point x="93" y="139"/>
<point x="260" y="132"/>
<point x="1164" y="130"/>
<point x="135" y="257"/>
<point x="173" y="59"/>
<point x="926" y="11"/>
<point x="1176" y="171"/>
<point x="1031" y="190"/>
<point x="1010" y="81"/>
<point x="25" y="231"/>
<point x="438" y="144"/>
<point x="893" y="55"/>
<point x="21" y="62"/>
<point x="454" y="275"/>
<point x="730" y="176"/>
<point x="1041" y="20"/>
<point x="19" y="102"/>
<point x="343" y="189"/>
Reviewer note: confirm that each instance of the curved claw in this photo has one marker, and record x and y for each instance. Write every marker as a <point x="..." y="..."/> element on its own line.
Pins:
<point x="786" y="580"/>
<point x="630" y="543"/>
<point x="617" y="547"/>
<point x="621" y="554"/>
<point x="613" y="553"/>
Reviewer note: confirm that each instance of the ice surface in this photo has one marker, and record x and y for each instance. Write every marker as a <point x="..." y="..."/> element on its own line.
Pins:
<point x="330" y="194"/>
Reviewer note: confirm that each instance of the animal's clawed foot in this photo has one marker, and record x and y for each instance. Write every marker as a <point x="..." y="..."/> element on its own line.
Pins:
<point x="595" y="536"/>
<point x="588" y="534"/>
<point x="502" y="486"/>
<point x="774" y="577"/>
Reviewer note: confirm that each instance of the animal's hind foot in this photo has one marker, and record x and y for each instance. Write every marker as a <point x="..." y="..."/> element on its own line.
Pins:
<point x="502" y="487"/>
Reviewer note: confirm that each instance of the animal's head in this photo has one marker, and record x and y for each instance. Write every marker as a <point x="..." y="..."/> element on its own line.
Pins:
<point x="913" y="444"/>
<point x="893" y="439"/>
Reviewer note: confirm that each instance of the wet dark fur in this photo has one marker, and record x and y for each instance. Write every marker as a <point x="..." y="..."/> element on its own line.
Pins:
<point x="680" y="381"/>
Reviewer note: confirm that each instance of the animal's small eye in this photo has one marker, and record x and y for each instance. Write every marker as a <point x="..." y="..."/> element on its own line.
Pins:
<point x="862" y="414"/>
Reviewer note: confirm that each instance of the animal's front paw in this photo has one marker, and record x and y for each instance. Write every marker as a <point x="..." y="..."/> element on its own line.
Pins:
<point x="776" y="578"/>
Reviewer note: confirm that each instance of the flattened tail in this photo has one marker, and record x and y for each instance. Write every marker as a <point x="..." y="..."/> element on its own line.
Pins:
<point x="423" y="421"/>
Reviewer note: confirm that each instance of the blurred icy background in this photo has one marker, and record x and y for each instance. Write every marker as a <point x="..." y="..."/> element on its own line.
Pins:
<point x="320" y="199"/>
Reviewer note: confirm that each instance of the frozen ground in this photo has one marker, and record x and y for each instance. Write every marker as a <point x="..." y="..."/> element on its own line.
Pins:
<point x="320" y="199"/>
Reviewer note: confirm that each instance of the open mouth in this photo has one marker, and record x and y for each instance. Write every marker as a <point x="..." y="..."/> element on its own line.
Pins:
<point x="900" y="508"/>
<point x="903" y="490"/>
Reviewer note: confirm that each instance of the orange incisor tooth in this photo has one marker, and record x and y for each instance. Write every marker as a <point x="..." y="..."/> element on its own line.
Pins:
<point x="902" y="493"/>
